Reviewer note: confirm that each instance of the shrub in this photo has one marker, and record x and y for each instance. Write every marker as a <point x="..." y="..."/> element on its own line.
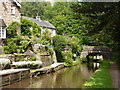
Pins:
<point x="59" y="43"/>
<point x="68" y="58"/>
<point x="50" y="50"/>
<point x="14" y="43"/>
<point x="76" y="44"/>
<point x="78" y="61"/>
<point x="11" y="45"/>
<point x="46" y="38"/>
<point x="12" y="29"/>
<point x="84" y="59"/>
<point x="69" y="62"/>
<point x="25" y="27"/>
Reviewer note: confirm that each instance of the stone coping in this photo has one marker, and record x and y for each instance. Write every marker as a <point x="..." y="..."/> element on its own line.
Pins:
<point x="56" y="64"/>
<point x="45" y="69"/>
<point x="10" y="71"/>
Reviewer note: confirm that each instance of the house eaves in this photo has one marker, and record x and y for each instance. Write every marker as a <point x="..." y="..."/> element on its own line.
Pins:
<point x="17" y="3"/>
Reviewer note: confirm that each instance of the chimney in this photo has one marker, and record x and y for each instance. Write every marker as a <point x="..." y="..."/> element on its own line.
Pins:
<point x="38" y="17"/>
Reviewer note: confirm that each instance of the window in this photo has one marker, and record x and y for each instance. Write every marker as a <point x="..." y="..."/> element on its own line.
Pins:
<point x="2" y="33"/>
<point x="12" y="10"/>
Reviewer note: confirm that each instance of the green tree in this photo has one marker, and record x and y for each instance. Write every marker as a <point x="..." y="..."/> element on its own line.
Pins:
<point x="102" y="21"/>
<point x="59" y="43"/>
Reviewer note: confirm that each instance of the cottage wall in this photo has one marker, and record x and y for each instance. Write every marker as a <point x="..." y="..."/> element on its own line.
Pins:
<point x="5" y="12"/>
<point x="52" y="32"/>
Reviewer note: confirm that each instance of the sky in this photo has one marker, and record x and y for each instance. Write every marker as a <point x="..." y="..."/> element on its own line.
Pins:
<point x="49" y="0"/>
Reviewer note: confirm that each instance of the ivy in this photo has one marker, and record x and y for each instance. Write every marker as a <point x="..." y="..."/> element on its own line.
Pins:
<point x="12" y="29"/>
<point x="29" y="28"/>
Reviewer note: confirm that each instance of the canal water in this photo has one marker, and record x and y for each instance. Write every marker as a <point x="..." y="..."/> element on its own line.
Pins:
<point x="70" y="77"/>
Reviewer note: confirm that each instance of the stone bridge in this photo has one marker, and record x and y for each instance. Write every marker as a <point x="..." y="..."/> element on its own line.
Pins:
<point x="104" y="51"/>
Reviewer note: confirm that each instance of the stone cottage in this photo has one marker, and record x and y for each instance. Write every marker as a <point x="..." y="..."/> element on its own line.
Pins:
<point x="45" y="25"/>
<point x="9" y="12"/>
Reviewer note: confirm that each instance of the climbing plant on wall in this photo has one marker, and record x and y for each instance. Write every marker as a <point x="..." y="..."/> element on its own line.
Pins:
<point x="29" y="31"/>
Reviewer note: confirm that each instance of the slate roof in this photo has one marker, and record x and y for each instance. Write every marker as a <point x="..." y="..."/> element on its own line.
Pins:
<point x="41" y="23"/>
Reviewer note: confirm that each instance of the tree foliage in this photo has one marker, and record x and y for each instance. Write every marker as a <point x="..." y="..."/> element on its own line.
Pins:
<point x="93" y="23"/>
<point x="103" y="21"/>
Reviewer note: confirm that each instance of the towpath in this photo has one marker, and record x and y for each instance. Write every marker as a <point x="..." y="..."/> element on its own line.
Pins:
<point x="115" y="74"/>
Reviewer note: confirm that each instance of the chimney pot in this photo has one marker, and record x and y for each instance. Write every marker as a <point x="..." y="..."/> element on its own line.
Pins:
<point x="38" y="17"/>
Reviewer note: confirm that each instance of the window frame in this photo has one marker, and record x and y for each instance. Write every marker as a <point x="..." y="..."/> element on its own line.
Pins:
<point x="2" y="33"/>
<point x="13" y="10"/>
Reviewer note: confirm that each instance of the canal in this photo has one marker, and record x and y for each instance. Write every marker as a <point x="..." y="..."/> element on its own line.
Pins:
<point x="70" y="77"/>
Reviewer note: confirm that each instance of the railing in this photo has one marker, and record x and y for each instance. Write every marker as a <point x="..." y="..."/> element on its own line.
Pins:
<point x="2" y="33"/>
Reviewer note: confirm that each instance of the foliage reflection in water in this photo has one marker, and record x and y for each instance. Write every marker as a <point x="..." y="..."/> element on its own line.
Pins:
<point x="71" y="77"/>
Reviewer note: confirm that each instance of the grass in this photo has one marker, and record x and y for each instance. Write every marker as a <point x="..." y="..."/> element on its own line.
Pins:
<point x="101" y="78"/>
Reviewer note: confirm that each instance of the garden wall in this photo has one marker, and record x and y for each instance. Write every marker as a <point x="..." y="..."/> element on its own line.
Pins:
<point x="44" y="58"/>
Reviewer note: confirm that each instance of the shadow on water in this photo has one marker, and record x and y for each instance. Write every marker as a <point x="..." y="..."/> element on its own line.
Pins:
<point x="71" y="77"/>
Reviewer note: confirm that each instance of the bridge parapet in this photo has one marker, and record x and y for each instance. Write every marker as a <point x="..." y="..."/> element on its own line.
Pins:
<point x="105" y="51"/>
<point x="96" y="48"/>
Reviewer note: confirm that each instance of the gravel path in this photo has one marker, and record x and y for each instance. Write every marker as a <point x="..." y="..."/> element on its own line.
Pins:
<point x="115" y="74"/>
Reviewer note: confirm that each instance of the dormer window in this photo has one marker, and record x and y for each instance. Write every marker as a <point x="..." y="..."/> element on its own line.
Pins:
<point x="12" y="10"/>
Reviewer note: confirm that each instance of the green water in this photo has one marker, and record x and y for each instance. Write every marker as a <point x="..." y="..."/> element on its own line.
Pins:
<point x="71" y="77"/>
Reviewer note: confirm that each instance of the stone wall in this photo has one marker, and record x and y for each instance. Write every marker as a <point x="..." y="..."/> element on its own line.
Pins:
<point x="13" y="75"/>
<point x="44" y="58"/>
<point x="5" y="12"/>
<point x="8" y="56"/>
<point x="104" y="51"/>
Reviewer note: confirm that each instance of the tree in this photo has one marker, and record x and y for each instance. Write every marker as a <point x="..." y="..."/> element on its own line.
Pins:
<point x="59" y="43"/>
<point x="102" y="21"/>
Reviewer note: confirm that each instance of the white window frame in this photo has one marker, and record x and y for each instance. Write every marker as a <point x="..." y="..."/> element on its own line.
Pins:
<point x="2" y="33"/>
<point x="13" y="10"/>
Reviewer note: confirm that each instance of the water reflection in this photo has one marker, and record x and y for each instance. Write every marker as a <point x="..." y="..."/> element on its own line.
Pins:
<point x="72" y="77"/>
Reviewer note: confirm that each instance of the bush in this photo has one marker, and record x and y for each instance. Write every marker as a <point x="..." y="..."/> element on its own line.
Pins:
<point x="5" y="63"/>
<point x="46" y="38"/>
<point x="12" y="29"/>
<point x="75" y="45"/>
<point x="25" y="27"/>
<point x="69" y="62"/>
<point x="11" y="45"/>
<point x="68" y="58"/>
<point x="84" y="59"/>
<point x="50" y="50"/>
<point x="14" y="43"/>
<point x="78" y="61"/>
<point x="59" y="43"/>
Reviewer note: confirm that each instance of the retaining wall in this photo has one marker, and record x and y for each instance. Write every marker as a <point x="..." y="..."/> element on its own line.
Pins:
<point x="13" y="75"/>
<point x="12" y="57"/>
